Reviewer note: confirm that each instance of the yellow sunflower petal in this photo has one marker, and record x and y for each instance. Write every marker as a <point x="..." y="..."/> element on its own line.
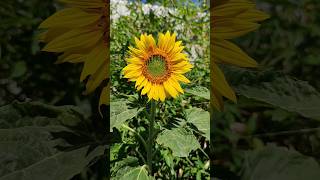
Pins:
<point x="229" y="53"/>
<point x="70" y="17"/>
<point x="146" y="88"/>
<point x="77" y="38"/>
<point x="143" y="84"/>
<point x="156" y="92"/>
<point x="104" y="97"/>
<point x="182" y="78"/>
<point x="72" y="58"/>
<point x="132" y="67"/>
<point x="220" y="83"/>
<point x="85" y="3"/>
<point x="96" y="78"/>
<point x="139" y="80"/>
<point x="94" y="60"/>
<point x="172" y="91"/>
<point x="175" y="84"/>
<point x="216" y="99"/>
<point x="133" y="74"/>
<point x="229" y="28"/>
<point x="162" y="94"/>
<point x="135" y="60"/>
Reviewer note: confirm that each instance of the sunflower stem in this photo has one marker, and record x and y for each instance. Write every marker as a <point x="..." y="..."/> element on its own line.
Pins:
<point x="151" y="138"/>
<point x="137" y="134"/>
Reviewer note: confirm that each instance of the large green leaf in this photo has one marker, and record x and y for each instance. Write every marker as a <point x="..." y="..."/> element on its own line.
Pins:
<point x="201" y="119"/>
<point x="120" y="112"/>
<point x="123" y="166"/>
<point x="37" y="114"/>
<point x="273" y="162"/>
<point x="278" y="90"/>
<point x="179" y="140"/>
<point x="61" y="165"/>
<point x="29" y="149"/>
<point x="138" y="173"/>
<point x="200" y="91"/>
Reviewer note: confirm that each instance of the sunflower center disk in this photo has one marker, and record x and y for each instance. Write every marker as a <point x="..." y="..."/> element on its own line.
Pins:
<point x="156" y="66"/>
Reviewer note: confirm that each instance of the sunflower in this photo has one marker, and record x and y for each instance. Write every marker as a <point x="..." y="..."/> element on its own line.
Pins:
<point x="230" y="19"/>
<point x="80" y="34"/>
<point x="158" y="68"/>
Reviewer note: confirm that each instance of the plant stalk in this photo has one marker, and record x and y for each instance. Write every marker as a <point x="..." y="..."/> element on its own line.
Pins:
<point x="150" y="139"/>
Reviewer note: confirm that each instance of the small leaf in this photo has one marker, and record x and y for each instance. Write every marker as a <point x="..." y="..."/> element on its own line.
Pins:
<point x="200" y="91"/>
<point x="179" y="140"/>
<point x="201" y="119"/>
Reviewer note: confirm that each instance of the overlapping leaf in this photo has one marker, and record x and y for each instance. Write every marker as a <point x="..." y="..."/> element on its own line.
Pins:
<point x="29" y="149"/>
<point x="201" y="119"/>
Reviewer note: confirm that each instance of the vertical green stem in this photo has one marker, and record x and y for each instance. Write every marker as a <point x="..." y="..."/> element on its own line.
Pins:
<point x="151" y="131"/>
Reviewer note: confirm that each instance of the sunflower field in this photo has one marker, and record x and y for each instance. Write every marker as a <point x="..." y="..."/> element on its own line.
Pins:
<point x="173" y="89"/>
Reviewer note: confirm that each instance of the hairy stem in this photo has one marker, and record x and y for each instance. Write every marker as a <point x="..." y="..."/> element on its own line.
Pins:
<point x="151" y="138"/>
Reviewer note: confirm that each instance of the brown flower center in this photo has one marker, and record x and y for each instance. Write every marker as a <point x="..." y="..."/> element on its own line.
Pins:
<point x="156" y="68"/>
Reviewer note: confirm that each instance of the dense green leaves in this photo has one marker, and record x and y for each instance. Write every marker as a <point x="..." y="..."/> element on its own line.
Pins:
<point x="279" y="163"/>
<point x="29" y="148"/>
<point x="179" y="140"/>
<point x="60" y="165"/>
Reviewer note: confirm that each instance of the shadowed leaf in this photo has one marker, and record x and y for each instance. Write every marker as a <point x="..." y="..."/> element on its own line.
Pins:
<point x="279" y="163"/>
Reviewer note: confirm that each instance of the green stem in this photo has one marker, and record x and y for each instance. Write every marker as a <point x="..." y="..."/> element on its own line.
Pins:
<point x="137" y="134"/>
<point x="150" y="139"/>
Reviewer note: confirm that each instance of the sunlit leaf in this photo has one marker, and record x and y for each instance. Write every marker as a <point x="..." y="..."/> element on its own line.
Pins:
<point x="201" y="119"/>
<point x="120" y="112"/>
<point x="139" y="173"/>
<point x="200" y="91"/>
<point x="179" y="140"/>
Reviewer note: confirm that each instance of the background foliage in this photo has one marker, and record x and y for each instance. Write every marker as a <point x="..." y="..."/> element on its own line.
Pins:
<point x="275" y="120"/>
<point x="27" y="74"/>
<point x="273" y="130"/>
<point x="40" y="141"/>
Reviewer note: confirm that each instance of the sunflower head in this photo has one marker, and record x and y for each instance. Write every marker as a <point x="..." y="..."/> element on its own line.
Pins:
<point x="157" y="67"/>
<point x="80" y="33"/>
<point x="230" y="19"/>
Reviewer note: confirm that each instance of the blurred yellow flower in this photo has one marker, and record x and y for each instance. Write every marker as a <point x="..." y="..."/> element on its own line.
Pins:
<point x="81" y="33"/>
<point x="231" y="19"/>
<point x="157" y="68"/>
